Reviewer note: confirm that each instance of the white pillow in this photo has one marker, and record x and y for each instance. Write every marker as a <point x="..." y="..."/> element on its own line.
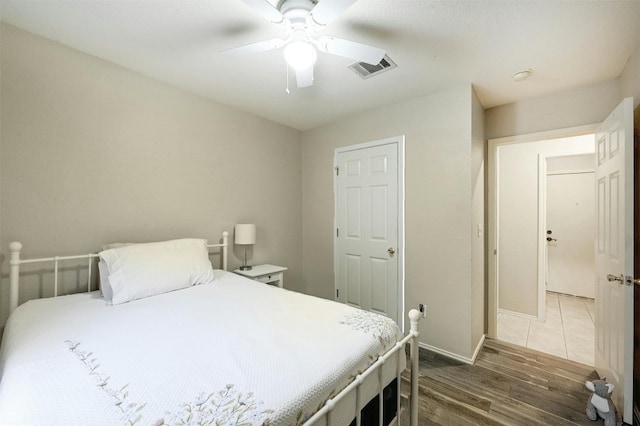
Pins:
<point x="143" y="270"/>
<point x="105" y="287"/>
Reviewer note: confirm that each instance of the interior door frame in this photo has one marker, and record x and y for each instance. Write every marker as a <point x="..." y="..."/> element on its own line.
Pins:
<point x="636" y="266"/>
<point x="399" y="141"/>
<point x="493" y="217"/>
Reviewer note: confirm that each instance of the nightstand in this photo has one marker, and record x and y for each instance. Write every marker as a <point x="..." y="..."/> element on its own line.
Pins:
<point x="268" y="274"/>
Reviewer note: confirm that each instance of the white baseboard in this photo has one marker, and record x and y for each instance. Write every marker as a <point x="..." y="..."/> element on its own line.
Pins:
<point x="478" y="347"/>
<point x="518" y="314"/>
<point x="457" y="357"/>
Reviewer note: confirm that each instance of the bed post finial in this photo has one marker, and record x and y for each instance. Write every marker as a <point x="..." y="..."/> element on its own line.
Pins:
<point x="14" y="272"/>
<point x="225" y="249"/>
<point x="414" y="318"/>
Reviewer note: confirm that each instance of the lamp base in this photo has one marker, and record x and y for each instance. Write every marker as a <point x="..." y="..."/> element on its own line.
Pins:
<point x="245" y="268"/>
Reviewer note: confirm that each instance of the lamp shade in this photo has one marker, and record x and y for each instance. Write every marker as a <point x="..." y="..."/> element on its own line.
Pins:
<point x="245" y="233"/>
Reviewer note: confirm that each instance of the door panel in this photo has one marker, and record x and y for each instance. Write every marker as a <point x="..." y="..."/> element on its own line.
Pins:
<point x="379" y="213"/>
<point x="353" y="280"/>
<point x="614" y="254"/>
<point x="367" y="222"/>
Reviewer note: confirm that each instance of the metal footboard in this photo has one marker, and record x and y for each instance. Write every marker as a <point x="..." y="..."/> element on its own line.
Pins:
<point x="356" y="384"/>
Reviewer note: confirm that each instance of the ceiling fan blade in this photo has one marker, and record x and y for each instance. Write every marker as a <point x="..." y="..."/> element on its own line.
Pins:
<point x="327" y="11"/>
<point x="304" y="77"/>
<point x="258" y="46"/>
<point x="265" y="8"/>
<point x="351" y="49"/>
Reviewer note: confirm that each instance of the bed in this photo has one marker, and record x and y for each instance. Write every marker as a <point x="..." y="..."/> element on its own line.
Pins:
<point x="177" y="342"/>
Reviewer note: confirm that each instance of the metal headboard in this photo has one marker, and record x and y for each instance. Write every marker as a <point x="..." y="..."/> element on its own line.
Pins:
<point x="15" y="262"/>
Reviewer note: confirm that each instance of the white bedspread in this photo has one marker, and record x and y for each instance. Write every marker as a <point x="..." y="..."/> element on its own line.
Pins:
<point x="233" y="352"/>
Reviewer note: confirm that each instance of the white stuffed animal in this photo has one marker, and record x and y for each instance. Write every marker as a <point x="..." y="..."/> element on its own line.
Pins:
<point x="600" y="404"/>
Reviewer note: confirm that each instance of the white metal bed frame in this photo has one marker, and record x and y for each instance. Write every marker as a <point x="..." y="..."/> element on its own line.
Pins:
<point x="325" y="411"/>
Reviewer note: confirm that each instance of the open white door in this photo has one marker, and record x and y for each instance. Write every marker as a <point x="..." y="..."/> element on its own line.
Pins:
<point x="368" y="227"/>
<point x="614" y="255"/>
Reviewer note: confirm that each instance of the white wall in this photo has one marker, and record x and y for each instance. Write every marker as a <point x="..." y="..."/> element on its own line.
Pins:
<point x="93" y="153"/>
<point x="518" y="218"/>
<point x="570" y="163"/>
<point x="438" y="205"/>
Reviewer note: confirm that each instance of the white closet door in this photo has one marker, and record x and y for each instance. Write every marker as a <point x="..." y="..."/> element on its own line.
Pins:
<point x="367" y="229"/>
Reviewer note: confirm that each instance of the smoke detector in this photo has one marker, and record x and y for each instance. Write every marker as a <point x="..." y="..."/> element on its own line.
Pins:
<point x="522" y="75"/>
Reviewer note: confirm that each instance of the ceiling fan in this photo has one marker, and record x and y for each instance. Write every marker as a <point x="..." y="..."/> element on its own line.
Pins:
<point x="301" y="21"/>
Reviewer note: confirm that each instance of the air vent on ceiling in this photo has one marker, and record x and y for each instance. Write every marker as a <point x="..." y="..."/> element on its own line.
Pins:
<point x="365" y="70"/>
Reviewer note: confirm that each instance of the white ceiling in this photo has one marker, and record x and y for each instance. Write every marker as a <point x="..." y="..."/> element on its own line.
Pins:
<point x="436" y="44"/>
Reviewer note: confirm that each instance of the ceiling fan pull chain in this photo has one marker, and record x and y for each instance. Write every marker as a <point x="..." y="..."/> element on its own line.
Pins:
<point x="287" y="88"/>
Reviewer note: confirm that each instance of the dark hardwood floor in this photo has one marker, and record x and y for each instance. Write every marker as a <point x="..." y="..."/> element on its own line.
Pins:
<point x="508" y="385"/>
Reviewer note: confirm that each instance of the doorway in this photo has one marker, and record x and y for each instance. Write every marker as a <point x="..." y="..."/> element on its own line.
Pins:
<point x="614" y="246"/>
<point x="518" y="167"/>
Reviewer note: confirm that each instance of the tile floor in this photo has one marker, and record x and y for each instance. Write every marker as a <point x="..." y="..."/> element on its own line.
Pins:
<point x="568" y="331"/>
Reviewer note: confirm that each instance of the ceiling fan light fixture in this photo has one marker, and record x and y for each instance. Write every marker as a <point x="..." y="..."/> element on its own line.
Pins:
<point x="300" y="55"/>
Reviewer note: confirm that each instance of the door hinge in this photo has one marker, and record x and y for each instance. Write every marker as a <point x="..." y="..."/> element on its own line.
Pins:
<point x="337" y="293"/>
<point x="337" y="171"/>
<point x="337" y="232"/>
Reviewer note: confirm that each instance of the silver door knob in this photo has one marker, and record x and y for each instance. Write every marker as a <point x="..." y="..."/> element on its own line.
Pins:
<point x="391" y="251"/>
<point x="631" y="281"/>
<point x="612" y="277"/>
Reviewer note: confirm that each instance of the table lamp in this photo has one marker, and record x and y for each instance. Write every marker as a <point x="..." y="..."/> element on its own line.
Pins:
<point x="246" y="235"/>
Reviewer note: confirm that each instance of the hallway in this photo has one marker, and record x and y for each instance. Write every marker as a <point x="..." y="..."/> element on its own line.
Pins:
<point x="568" y="331"/>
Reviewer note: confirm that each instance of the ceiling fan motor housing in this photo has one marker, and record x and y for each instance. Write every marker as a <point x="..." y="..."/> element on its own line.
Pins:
<point x="296" y="11"/>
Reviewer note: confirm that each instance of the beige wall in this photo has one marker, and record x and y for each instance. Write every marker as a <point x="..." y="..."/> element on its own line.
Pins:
<point x="630" y="78"/>
<point x="438" y="206"/>
<point x="572" y="108"/>
<point x="478" y="291"/>
<point x="93" y="153"/>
